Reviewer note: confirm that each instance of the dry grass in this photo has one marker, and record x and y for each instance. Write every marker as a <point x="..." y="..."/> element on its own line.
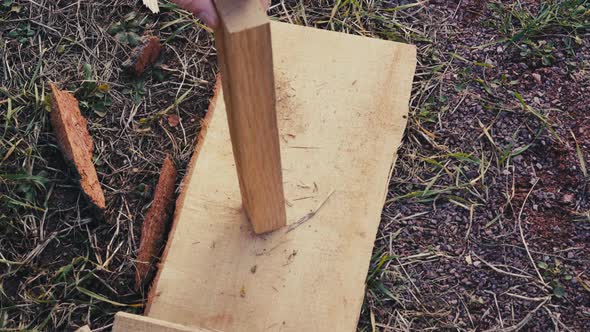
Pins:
<point x="61" y="267"/>
<point x="455" y="249"/>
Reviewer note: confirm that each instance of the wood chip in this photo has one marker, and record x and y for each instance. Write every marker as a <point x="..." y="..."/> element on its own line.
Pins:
<point x="75" y="142"/>
<point x="143" y="55"/>
<point x="152" y="5"/>
<point x="156" y="220"/>
<point x="173" y="120"/>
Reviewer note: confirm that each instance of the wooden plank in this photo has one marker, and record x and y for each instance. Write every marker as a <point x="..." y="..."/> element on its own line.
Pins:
<point x="342" y="104"/>
<point x="245" y="59"/>
<point x="126" y="322"/>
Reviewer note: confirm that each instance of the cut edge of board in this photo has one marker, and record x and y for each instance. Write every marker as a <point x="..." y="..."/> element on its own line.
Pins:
<point x="127" y="322"/>
<point x="182" y="197"/>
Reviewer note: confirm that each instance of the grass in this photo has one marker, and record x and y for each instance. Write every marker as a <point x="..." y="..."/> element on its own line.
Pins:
<point x="519" y="23"/>
<point x="60" y="267"/>
<point x="449" y="253"/>
<point x="526" y="29"/>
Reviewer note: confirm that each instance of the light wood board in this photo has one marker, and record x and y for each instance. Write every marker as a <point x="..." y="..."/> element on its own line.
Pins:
<point x="126" y="322"/>
<point x="342" y="103"/>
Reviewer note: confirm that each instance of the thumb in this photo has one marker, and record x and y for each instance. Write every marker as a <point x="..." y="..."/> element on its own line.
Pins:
<point x="265" y="4"/>
<point x="203" y="9"/>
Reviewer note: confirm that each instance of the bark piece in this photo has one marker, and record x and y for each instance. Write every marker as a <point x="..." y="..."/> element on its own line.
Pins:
<point x="156" y="220"/>
<point x="144" y="54"/>
<point x="75" y="142"/>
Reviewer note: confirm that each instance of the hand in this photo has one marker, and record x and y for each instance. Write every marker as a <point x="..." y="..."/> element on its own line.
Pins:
<point x="205" y="10"/>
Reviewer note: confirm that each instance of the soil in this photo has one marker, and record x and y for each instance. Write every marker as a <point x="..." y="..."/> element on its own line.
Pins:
<point x="464" y="231"/>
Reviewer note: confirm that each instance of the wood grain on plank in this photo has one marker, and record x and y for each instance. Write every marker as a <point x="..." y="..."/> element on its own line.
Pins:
<point x="245" y="57"/>
<point x="75" y="142"/>
<point x="341" y="121"/>
<point x="126" y="322"/>
<point x="156" y="220"/>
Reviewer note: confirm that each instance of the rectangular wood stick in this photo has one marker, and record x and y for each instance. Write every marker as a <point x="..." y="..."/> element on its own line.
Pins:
<point x="245" y="59"/>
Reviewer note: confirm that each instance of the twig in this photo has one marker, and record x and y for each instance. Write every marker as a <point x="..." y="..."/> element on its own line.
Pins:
<point x="497" y="307"/>
<point x="556" y="319"/>
<point x="310" y="215"/>
<point x="526" y="246"/>
<point x="502" y="271"/>
<point x="8" y="262"/>
<point x="408" y="278"/>
<point x="523" y="322"/>
<point x="522" y="297"/>
<point x="471" y="210"/>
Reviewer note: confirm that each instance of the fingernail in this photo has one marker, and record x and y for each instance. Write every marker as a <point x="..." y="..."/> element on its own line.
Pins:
<point x="208" y="19"/>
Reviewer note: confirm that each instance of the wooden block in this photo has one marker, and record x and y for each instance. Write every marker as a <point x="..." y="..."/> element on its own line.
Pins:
<point x="125" y="322"/>
<point x="156" y="220"/>
<point x="342" y="108"/>
<point x="75" y="142"/>
<point x="245" y="59"/>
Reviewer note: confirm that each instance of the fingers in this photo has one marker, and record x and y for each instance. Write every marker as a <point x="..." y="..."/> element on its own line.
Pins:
<point x="265" y="4"/>
<point x="203" y="9"/>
